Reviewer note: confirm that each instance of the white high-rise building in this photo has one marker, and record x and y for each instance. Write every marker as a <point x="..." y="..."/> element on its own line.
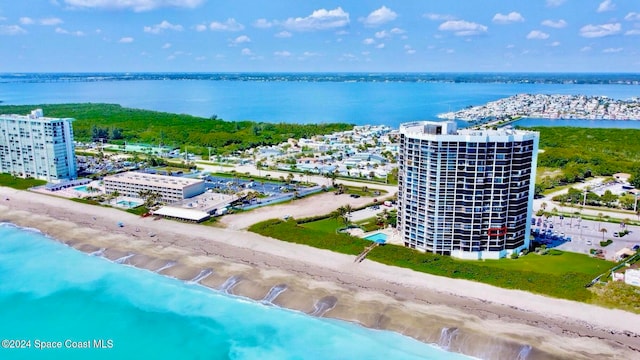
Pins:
<point x="465" y="193"/>
<point x="38" y="147"/>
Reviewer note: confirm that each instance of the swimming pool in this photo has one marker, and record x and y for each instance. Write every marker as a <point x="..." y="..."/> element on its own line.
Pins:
<point x="128" y="204"/>
<point x="82" y="188"/>
<point x="380" y="238"/>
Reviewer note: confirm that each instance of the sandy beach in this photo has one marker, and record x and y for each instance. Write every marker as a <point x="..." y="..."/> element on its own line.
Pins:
<point x="472" y="318"/>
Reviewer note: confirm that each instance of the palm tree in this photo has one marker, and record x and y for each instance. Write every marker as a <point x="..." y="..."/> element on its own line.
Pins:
<point x="345" y="213"/>
<point x="115" y="195"/>
<point x="603" y="231"/>
<point x="599" y="219"/>
<point x="307" y="172"/>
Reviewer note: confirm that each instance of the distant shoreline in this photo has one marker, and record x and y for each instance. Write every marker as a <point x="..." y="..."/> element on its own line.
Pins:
<point x="444" y="77"/>
<point x="543" y="106"/>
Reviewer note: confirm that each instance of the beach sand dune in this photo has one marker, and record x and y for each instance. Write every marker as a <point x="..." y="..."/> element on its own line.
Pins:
<point x="464" y="316"/>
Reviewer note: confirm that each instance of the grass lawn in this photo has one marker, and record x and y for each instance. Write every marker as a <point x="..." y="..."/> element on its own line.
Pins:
<point x="328" y="226"/>
<point x="11" y="181"/>
<point x="560" y="263"/>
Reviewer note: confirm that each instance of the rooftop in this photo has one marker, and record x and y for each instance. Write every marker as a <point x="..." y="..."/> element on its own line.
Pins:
<point x="139" y="178"/>
<point x="449" y="128"/>
<point x="36" y="114"/>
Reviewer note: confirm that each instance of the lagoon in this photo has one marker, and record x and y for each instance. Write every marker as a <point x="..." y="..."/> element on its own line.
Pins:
<point x="301" y="101"/>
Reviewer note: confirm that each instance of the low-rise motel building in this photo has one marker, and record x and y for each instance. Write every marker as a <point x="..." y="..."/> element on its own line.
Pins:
<point x="170" y="188"/>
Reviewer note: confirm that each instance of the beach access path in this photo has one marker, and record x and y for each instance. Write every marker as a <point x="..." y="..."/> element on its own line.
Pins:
<point x="553" y="325"/>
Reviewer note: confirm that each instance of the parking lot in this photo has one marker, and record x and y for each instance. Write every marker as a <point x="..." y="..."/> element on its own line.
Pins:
<point x="586" y="235"/>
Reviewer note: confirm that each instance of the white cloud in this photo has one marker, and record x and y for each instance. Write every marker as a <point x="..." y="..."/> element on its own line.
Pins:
<point x="321" y="19"/>
<point x="554" y="24"/>
<point x="606" y="5"/>
<point x="283" y="34"/>
<point x="397" y="31"/>
<point x="282" y="53"/>
<point x="51" y="21"/>
<point x="11" y="30"/>
<point x="166" y="45"/>
<point x="509" y="18"/>
<point x="380" y="46"/>
<point x="410" y="51"/>
<point x="381" y="34"/>
<point x="126" y="40"/>
<point x="438" y="17"/>
<point x="596" y="31"/>
<point x="246" y="52"/>
<point x="229" y="25"/>
<point x="262" y="24"/>
<point x="510" y="46"/>
<point x="586" y="48"/>
<point x="612" y="50"/>
<point x="555" y="3"/>
<point x="200" y="27"/>
<point x="66" y="32"/>
<point x="632" y="16"/>
<point x="310" y="54"/>
<point x="368" y="41"/>
<point x="555" y="43"/>
<point x="537" y="35"/>
<point x="164" y="25"/>
<point x="380" y="16"/>
<point x="633" y="32"/>
<point x="463" y="28"/>
<point x="135" y="5"/>
<point x="242" y="39"/>
<point x="200" y="58"/>
<point x="26" y="21"/>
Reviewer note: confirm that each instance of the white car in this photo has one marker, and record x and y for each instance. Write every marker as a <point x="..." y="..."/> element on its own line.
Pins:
<point x="589" y="242"/>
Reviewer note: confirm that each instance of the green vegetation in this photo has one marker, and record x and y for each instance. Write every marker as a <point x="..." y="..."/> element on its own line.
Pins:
<point x="11" y="181"/>
<point x="606" y="243"/>
<point x="585" y="152"/>
<point x="87" y="201"/>
<point x="292" y="232"/>
<point x="559" y="274"/>
<point x="138" y="210"/>
<point x="617" y="294"/>
<point x="118" y="124"/>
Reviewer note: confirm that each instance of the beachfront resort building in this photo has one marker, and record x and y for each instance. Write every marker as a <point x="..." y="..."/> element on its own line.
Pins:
<point x="465" y="193"/>
<point x="170" y="188"/>
<point x="37" y="147"/>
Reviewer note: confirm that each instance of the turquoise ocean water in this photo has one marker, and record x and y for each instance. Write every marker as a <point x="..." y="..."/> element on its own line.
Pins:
<point x="50" y="292"/>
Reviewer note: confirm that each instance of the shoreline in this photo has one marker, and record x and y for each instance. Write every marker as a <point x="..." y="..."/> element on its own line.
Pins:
<point x="373" y="295"/>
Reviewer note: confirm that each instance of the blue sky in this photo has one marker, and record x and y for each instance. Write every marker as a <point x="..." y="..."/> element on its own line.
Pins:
<point x="315" y="36"/>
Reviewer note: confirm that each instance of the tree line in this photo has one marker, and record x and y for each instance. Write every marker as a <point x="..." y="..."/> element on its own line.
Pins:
<point x="586" y="152"/>
<point x="120" y="124"/>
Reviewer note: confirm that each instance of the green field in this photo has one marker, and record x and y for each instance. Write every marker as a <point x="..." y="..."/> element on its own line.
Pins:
<point x="559" y="274"/>
<point x="565" y="262"/>
<point x="11" y="181"/>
